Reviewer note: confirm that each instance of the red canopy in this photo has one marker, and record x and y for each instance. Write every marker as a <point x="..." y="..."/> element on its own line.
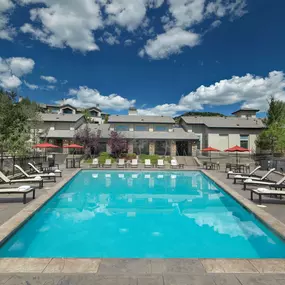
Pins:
<point x="73" y="146"/>
<point x="210" y="149"/>
<point x="45" y="145"/>
<point x="237" y="149"/>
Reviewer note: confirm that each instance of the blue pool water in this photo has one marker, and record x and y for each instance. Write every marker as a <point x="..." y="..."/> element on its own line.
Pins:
<point x="116" y="214"/>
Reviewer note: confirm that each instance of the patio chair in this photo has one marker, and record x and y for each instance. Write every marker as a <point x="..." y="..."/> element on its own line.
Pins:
<point x="243" y="177"/>
<point x="36" y="179"/>
<point x="95" y="163"/>
<point x="228" y="167"/>
<point x="121" y="163"/>
<point x="277" y="185"/>
<point x="41" y="172"/>
<point x="147" y="163"/>
<point x="43" y="175"/>
<point x="134" y="163"/>
<point x="205" y="164"/>
<point x="265" y="192"/>
<point x="238" y="173"/>
<point x="174" y="163"/>
<point x="21" y="190"/>
<point x="160" y="163"/>
<point x="108" y="163"/>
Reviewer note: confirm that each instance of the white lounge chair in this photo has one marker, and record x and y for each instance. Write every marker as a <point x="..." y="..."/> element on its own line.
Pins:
<point x="108" y="163"/>
<point x="268" y="192"/>
<point x="134" y="163"/>
<point x="147" y="163"/>
<point x="160" y="163"/>
<point x="173" y="163"/>
<point x="36" y="179"/>
<point x="43" y="175"/>
<point x="21" y="190"/>
<point x="95" y="163"/>
<point x="271" y="184"/>
<point x="238" y="173"/>
<point x="244" y="177"/>
<point x="121" y="163"/>
<point x="41" y="172"/>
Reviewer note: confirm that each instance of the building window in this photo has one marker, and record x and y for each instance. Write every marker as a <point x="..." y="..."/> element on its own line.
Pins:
<point x="244" y="141"/>
<point x="162" y="147"/>
<point x="141" y="146"/>
<point x="158" y="128"/>
<point x="141" y="128"/>
<point x="93" y="114"/>
<point x="67" y="111"/>
<point x="122" y="128"/>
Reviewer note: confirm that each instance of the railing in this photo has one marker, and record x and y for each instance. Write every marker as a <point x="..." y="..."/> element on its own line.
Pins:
<point x="7" y="163"/>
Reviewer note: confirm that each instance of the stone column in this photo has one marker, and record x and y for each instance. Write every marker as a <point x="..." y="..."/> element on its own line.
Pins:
<point x="108" y="149"/>
<point x="130" y="147"/>
<point x="65" y="143"/>
<point x="151" y="147"/>
<point x="194" y="149"/>
<point x="173" y="148"/>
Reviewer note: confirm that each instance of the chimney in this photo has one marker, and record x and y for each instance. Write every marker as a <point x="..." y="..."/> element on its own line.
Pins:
<point x="133" y="111"/>
<point x="20" y="99"/>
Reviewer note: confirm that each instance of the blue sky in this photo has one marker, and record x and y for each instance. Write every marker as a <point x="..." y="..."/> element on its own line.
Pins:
<point x="219" y="55"/>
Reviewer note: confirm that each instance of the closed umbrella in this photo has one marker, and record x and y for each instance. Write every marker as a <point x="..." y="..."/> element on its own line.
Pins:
<point x="237" y="149"/>
<point x="210" y="149"/>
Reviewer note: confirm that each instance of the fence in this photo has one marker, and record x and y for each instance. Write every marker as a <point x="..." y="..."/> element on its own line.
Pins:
<point x="7" y="163"/>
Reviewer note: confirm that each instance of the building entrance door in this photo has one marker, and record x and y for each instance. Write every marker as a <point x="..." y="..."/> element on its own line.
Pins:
<point x="182" y="148"/>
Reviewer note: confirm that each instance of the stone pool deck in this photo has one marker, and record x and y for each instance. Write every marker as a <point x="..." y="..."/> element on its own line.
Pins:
<point x="137" y="271"/>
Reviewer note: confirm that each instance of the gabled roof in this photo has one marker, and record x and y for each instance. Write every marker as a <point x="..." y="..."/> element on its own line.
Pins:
<point x="140" y="119"/>
<point x="246" y="109"/>
<point x="67" y="106"/>
<point x="46" y="117"/>
<point x="224" y="122"/>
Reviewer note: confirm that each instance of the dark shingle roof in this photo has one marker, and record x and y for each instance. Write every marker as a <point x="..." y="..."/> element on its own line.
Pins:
<point x="140" y="119"/>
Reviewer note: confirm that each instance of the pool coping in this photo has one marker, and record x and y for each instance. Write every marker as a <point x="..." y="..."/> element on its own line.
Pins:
<point x="138" y="266"/>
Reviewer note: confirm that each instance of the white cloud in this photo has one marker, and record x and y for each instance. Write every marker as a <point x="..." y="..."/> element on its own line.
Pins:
<point x="65" y="23"/>
<point x="170" y="42"/>
<point x="31" y="86"/>
<point x="250" y="91"/>
<point x="86" y="97"/>
<point x="6" y="31"/>
<point x="12" y="69"/>
<point x="110" y="39"/>
<point x="49" y="79"/>
<point x="128" y="42"/>
<point x="50" y="87"/>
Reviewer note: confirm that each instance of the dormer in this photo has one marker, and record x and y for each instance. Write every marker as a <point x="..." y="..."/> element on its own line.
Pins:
<point x="94" y="112"/>
<point x="67" y="109"/>
<point x="246" y="113"/>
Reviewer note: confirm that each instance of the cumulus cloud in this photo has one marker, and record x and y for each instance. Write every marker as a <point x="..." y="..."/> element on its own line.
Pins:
<point x="86" y="97"/>
<point x="49" y="79"/>
<point x="31" y="86"/>
<point x="6" y="31"/>
<point x="12" y="69"/>
<point x="250" y="91"/>
<point x="170" y="42"/>
<point x="65" y="23"/>
<point x="110" y="39"/>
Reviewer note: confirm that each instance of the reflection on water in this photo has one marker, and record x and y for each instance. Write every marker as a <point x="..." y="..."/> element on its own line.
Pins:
<point x="143" y="214"/>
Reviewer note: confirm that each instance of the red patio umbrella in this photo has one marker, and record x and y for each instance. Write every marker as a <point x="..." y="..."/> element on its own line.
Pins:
<point x="45" y="146"/>
<point x="237" y="149"/>
<point x="74" y="146"/>
<point x="210" y="149"/>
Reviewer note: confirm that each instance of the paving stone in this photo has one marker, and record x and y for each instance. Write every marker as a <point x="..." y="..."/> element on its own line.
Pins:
<point x="70" y="265"/>
<point x="256" y="279"/>
<point x="4" y="278"/>
<point x="188" y="280"/>
<point x="213" y="266"/>
<point x="124" y="266"/>
<point x="225" y="279"/>
<point x="237" y="266"/>
<point x="150" y="280"/>
<point x="183" y="266"/>
<point x="269" y="265"/>
<point x="280" y="281"/>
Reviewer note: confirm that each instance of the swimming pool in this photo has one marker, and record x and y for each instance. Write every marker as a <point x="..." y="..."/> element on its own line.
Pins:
<point x="167" y="214"/>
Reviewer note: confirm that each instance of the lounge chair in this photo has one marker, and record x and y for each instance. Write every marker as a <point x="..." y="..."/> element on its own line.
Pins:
<point x="237" y="173"/>
<point x="134" y="163"/>
<point x="244" y="177"/>
<point x="160" y="163"/>
<point x="43" y="175"/>
<point x="121" y="163"/>
<point x="277" y="185"/>
<point x="147" y="163"/>
<point x="36" y="179"/>
<point x="41" y="172"/>
<point x="268" y="192"/>
<point x="95" y="163"/>
<point x="174" y="163"/>
<point x="21" y="190"/>
<point x="108" y="163"/>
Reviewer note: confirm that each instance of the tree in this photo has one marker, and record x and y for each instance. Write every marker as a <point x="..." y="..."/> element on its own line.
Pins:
<point x="117" y="143"/>
<point x="87" y="115"/>
<point x="276" y="111"/>
<point x="89" y="139"/>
